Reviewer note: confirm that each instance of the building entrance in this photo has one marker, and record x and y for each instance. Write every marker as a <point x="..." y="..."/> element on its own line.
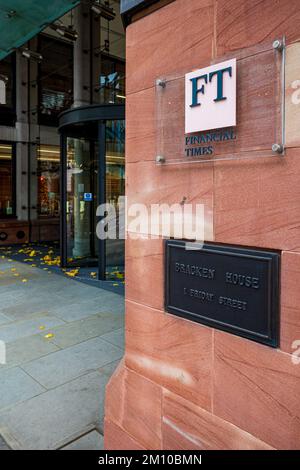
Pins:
<point x="93" y="173"/>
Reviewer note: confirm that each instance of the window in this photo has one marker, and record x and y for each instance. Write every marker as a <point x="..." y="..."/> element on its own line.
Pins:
<point x="48" y="169"/>
<point x="55" y="79"/>
<point x="7" y="110"/>
<point x="112" y="81"/>
<point x="7" y="177"/>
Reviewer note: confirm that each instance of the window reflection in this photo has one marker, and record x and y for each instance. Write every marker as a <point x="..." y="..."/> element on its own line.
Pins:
<point x="112" y="81"/>
<point x="56" y="78"/>
<point x="115" y="189"/>
<point x="7" y="109"/>
<point x="48" y="181"/>
<point x="81" y="180"/>
<point x="6" y="178"/>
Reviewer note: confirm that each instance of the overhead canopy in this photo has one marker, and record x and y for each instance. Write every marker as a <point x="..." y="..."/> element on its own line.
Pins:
<point x="21" y="20"/>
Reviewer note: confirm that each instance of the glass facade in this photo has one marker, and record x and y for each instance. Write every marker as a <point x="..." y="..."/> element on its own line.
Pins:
<point x="55" y="78"/>
<point x="7" y="186"/>
<point x="94" y="164"/>
<point x="112" y="80"/>
<point x="115" y="189"/>
<point x="48" y="172"/>
<point x="7" y="110"/>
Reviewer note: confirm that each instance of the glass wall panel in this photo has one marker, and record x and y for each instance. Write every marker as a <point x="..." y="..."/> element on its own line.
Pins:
<point x="48" y="170"/>
<point x="55" y="78"/>
<point x="7" y="190"/>
<point x="115" y="189"/>
<point x="112" y="81"/>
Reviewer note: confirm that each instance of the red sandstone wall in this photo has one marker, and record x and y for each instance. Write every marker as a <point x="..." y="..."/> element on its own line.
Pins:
<point x="182" y="385"/>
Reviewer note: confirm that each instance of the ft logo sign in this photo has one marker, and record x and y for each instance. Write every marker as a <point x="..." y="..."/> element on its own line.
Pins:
<point x="210" y="97"/>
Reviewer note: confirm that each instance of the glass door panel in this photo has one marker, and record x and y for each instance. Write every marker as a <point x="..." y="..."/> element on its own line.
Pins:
<point x="115" y="189"/>
<point x="81" y="202"/>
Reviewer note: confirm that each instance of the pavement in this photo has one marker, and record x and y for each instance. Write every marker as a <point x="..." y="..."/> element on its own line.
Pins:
<point x="47" y="257"/>
<point x="63" y="340"/>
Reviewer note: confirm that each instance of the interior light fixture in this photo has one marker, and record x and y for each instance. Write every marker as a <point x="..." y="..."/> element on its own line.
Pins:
<point x="31" y="55"/>
<point x="103" y="10"/>
<point x="66" y="32"/>
<point x="3" y="78"/>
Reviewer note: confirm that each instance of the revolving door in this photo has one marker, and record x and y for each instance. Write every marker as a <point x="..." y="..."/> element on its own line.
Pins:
<point x="92" y="174"/>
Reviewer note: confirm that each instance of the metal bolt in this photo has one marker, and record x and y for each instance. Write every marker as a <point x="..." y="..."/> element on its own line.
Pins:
<point x="277" y="148"/>
<point x="184" y="199"/>
<point x="160" y="159"/>
<point x="161" y="83"/>
<point x="278" y="45"/>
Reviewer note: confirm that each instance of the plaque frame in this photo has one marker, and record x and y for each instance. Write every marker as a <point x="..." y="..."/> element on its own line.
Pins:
<point x="272" y="258"/>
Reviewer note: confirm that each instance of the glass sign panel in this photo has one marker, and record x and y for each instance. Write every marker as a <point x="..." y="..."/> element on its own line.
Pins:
<point x="259" y="129"/>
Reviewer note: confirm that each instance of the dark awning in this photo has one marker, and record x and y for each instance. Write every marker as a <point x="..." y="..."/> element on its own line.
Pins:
<point x="21" y="20"/>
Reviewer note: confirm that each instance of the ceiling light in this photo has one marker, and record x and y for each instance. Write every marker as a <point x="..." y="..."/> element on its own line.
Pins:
<point x="103" y="10"/>
<point x="31" y="55"/>
<point x="11" y="14"/>
<point x="66" y="32"/>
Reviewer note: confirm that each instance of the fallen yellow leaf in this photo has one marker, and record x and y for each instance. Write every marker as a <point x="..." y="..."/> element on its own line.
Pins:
<point x="49" y="336"/>
<point x="72" y="273"/>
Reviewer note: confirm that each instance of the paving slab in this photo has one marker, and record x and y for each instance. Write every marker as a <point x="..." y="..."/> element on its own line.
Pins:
<point x="27" y="349"/>
<point x="39" y="302"/>
<point x="109" y="369"/>
<point x="109" y="303"/>
<point x="114" y="306"/>
<point x="17" y="386"/>
<point x="116" y="337"/>
<point x="91" y="441"/>
<point x="10" y="297"/>
<point x="67" y="364"/>
<point x="83" y="330"/>
<point x="4" y="319"/>
<point x="79" y="290"/>
<point x="21" y="329"/>
<point x="3" y="445"/>
<point x="56" y="417"/>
